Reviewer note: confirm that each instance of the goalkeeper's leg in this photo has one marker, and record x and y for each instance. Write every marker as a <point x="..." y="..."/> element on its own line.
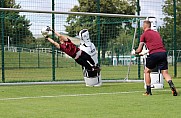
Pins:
<point x="86" y="61"/>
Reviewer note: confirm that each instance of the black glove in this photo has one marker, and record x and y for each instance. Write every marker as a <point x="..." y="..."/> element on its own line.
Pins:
<point x="48" y="28"/>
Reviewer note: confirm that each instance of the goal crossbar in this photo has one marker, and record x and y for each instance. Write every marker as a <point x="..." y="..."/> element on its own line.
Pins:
<point x="72" y="13"/>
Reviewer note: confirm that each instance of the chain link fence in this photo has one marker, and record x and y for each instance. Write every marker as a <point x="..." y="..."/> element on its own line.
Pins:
<point x="26" y="56"/>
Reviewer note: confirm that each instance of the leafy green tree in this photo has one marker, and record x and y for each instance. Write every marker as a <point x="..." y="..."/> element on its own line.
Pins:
<point x="109" y="27"/>
<point x="167" y="30"/>
<point x="123" y="41"/>
<point x="16" y="26"/>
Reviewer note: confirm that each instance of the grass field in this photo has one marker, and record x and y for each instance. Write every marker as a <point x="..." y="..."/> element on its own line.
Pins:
<point x="71" y="73"/>
<point x="112" y="100"/>
<point x="25" y="66"/>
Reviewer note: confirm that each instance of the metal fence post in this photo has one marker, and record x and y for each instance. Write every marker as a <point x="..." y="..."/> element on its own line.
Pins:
<point x="53" y="37"/>
<point x="175" y="39"/>
<point x="2" y="43"/>
<point x="138" y="12"/>
<point x="98" y="30"/>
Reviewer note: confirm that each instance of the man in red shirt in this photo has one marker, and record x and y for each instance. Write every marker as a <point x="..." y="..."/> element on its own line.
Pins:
<point x="70" y="49"/>
<point x="157" y="56"/>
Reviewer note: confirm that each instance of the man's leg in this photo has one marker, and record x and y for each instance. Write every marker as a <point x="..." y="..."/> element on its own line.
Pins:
<point x="163" y="65"/>
<point x="150" y="64"/>
<point x="169" y="80"/>
<point x="148" y="81"/>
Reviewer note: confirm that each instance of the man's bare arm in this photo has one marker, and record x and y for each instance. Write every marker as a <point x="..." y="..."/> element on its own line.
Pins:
<point x="139" y="49"/>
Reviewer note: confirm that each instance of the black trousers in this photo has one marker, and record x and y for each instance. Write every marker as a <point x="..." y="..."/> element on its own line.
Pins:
<point x="84" y="60"/>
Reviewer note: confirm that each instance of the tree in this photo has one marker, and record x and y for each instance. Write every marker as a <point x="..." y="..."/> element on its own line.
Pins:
<point x="109" y="27"/>
<point x="16" y="26"/>
<point x="167" y="30"/>
<point x="123" y="41"/>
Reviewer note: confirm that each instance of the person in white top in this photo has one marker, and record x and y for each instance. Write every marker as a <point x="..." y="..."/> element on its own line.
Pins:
<point x="92" y="78"/>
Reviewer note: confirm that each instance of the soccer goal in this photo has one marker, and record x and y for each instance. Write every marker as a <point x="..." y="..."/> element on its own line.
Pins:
<point x="27" y="57"/>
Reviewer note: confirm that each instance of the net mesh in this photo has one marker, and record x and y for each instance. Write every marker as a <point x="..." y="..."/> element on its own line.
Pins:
<point x="28" y="57"/>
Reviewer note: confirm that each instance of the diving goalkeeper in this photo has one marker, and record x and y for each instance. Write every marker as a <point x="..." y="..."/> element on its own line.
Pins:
<point x="65" y="45"/>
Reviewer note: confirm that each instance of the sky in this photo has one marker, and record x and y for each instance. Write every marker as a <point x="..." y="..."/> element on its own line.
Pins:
<point x="152" y="8"/>
<point x="39" y="21"/>
<point x="148" y="8"/>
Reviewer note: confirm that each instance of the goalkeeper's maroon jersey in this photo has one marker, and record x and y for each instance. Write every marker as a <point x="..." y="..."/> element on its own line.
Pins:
<point x="69" y="48"/>
<point x="153" y="41"/>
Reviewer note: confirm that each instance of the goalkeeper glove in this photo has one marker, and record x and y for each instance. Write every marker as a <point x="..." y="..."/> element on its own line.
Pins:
<point x="144" y="52"/>
<point x="48" y="28"/>
<point x="133" y="52"/>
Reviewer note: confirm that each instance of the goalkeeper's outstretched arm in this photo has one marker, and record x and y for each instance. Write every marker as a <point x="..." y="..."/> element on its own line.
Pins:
<point x="53" y="42"/>
<point x="61" y="37"/>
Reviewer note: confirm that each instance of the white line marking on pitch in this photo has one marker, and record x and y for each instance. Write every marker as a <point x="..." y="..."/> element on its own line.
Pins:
<point x="73" y="95"/>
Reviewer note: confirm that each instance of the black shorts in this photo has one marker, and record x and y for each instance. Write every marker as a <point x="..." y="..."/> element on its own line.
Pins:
<point x="83" y="60"/>
<point x="158" y="59"/>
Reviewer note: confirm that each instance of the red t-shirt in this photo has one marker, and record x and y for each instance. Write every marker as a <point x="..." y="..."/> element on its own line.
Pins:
<point x="69" y="48"/>
<point x="153" y="41"/>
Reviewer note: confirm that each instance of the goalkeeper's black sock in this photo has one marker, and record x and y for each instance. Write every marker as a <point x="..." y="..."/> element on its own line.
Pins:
<point x="171" y="84"/>
<point x="148" y="89"/>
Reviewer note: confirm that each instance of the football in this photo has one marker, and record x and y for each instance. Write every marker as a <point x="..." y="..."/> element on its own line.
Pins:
<point x="44" y="31"/>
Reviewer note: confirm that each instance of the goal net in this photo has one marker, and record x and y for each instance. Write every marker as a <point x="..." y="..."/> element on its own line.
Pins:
<point x="27" y="57"/>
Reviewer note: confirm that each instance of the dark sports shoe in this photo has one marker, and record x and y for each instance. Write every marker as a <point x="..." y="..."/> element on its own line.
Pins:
<point x="147" y="94"/>
<point x="174" y="92"/>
